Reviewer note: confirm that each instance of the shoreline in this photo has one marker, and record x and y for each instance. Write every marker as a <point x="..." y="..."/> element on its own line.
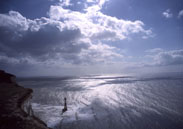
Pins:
<point x="15" y="106"/>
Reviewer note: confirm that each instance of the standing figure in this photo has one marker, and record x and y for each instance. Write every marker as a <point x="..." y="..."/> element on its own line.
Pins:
<point x="65" y="106"/>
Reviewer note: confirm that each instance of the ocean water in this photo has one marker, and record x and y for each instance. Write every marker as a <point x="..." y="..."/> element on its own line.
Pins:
<point x="108" y="102"/>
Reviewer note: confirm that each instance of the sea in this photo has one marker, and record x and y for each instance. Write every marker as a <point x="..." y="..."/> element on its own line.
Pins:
<point x="108" y="101"/>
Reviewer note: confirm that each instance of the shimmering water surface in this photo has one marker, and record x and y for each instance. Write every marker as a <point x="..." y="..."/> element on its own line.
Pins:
<point x="108" y="102"/>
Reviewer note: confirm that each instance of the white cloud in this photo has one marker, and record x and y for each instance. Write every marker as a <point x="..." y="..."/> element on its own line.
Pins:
<point x="46" y="40"/>
<point x="65" y="3"/>
<point x="155" y="50"/>
<point x="167" y="14"/>
<point x="14" y="20"/>
<point x="90" y="1"/>
<point x="65" y="37"/>
<point x="96" y="4"/>
<point x="96" y="24"/>
<point x="174" y="57"/>
<point x="162" y="57"/>
<point x="180" y="14"/>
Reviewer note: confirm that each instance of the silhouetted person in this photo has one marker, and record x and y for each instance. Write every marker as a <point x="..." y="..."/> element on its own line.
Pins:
<point x="65" y="106"/>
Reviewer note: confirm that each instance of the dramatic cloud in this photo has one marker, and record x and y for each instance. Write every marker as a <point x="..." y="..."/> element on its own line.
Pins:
<point x="38" y="38"/>
<point x="95" y="25"/>
<point x="167" y="14"/>
<point x="42" y="40"/>
<point x="180" y="14"/>
<point x="65" y="37"/>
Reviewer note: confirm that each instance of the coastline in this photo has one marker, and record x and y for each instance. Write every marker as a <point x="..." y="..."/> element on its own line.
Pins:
<point x="15" y="105"/>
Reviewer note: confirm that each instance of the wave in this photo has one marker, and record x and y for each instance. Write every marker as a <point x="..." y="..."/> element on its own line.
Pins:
<point x="109" y="102"/>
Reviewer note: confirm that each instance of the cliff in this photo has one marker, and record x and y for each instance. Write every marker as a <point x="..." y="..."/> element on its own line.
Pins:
<point x="15" y="106"/>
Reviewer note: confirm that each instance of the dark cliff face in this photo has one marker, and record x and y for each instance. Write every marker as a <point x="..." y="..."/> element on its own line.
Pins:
<point x="12" y="103"/>
<point x="6" y="77"/>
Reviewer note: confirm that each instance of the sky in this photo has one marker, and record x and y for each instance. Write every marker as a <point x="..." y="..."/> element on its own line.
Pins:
<point x="79" y="37"/>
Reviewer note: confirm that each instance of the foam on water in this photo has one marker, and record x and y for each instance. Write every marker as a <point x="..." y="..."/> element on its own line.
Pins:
<point x="52" y="115"/>
<point x="49" y="114"/>
<point x="109" y="102"/>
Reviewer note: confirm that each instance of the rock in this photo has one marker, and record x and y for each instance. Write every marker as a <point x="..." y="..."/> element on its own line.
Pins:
<point x="15" y="106"/>
<point x="6" y="77"/>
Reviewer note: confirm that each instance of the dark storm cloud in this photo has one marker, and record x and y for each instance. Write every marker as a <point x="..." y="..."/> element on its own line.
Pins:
<point x="46" y="43"/>
<point x="37" y="43"/>
<point x="42" y="40"/>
